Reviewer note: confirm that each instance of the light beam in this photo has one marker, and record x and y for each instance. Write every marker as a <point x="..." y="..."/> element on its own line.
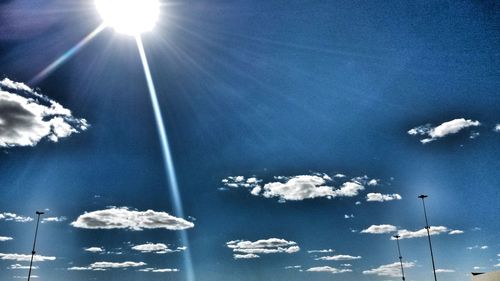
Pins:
<point x="66" y="56"/>
<point x="167" y="158"/>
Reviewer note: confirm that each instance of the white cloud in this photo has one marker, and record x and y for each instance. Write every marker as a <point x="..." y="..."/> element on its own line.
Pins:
<point x="339" y="176"/>
<point x="293" y="266"/>
<point x="5" y="238"/>
<point x="497" y="265"/>
<point x="379" y="197"/>
<point x="104" y="265"/>
<point x="346" y="216"/>
<point x="22" y="257"/>
<point x="484" y="247"/>
<point x="441" y="270"/>
<point x="446" y="128"/>
<point x="252" y="249"/>
<point x="245" y="256"/>
<point x="380" y="229"/>
<point x="433" y="230"/>
<point x="373" y="182"/>
<point x="27" y="117"/>
<point x="497" y="128"/>
<point x="14" y="217"/>
<point x="94" y="249"/>
<point x="125" y="218"/>
<point x="321" y="251"/>
<point x="328" y="269"/>
<point x="455" y="232"/>
<point x="338" y="258"/>
<point x="392" y="270"/>
<point x="19" y="266"/>
<point x="158" y="248"/>
<point x="158" y="270"/>
<point x="53" y="219"/>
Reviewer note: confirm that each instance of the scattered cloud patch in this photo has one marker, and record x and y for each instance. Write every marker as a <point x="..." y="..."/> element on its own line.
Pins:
<point x="22" y="257"/>
<point x="433" y="230"/>
<point x="380" y="229"/>
<point x="14" y="217"/>
<point x="54" y="219"/>
<point x="328" y="269"/>
<point x="379" y="197"/>
<point x="321" y="251"/>
<point x="293" y="267"/>
<point x="252" y="249"/>
<point x="391" y="270"/>
<point x="20" y="266"/>
<point x="346" y="216"/>
<point x="158" y="248"/>
<point x="442" y="270"/>
<point x="104" y="266"/>
<point x="484" y="247"/>
<point x="27" y="117"/>
<point x="455" y="232"/>
<point x="125" y="218"/>
<point x="447" y="128"/>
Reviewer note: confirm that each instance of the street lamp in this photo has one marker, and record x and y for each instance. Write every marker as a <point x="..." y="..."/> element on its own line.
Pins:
<point x="34" y="242"/>
<point x="428" y="234"/>
<point x="400" y="257"/>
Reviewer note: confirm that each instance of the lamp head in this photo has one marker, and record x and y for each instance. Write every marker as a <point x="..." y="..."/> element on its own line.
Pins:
<point x="423" y="196"/>
<point x="39" y="213"/>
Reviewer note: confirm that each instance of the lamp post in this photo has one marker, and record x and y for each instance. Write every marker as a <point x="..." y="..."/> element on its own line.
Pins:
<point x="34" y="242"/>
<point x="423" y="196"/>
<point x="400" y="257"/>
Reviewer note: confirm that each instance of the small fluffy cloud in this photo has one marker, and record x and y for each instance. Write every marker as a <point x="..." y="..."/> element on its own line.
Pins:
<point x="455" y="232"/>
<point x="14" y="217"/>
<point x="445" y="129"/>
<point x="433" y="230"/>
<point x="497" y="128"/>
<point x="27" y="117"/>
<point x="22" y="257"/>
<point x="391" y="270"/>
<point x="379" y="197"/>
<point x="54" y="219"/>
<point x="328" y="269"/>
<point x="5" y="238"/>
<point x="104" y="265"/>
<point x="158" y="270"/>
<point x="338" y="258"/>
<point x="158" y="248"/>
<point x="380" y="229"/>
<point x="252" y="249"/>
<point x="124" y="218"/>
<point x="94" y="249"/>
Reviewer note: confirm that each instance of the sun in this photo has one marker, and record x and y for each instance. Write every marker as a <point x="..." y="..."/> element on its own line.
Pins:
<point x="131" y="17"/>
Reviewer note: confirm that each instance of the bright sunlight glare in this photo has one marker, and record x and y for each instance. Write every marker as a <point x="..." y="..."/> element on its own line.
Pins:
<point x="131" y="17"/>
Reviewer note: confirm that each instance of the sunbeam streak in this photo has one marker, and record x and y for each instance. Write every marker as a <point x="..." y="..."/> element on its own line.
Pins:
<point x="67" y="55"/>
<point x="167" y="158"/>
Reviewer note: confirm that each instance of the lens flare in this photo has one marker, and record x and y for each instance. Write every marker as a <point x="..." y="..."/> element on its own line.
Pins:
<point x="131" y="17"/>
<point x="167" y="158"/>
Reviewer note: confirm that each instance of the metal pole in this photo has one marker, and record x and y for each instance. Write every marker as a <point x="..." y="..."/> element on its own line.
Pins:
<point x="34" y="242"/>
<point x="400" y="257"/>
<point x="428" y="235"/>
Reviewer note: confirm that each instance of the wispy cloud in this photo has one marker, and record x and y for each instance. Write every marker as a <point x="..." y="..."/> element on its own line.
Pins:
<point x="328" y="269"/>
<point x="443" y="270"/>
<point x="338" y="258"/>
<point x="104" y="265"/>
<point x="26" y="117"/>
<point x="125" y="218"/>
<point x="447" y="128"/>
<point x="391" y="270"/>
<point x="22" y="257"/>
<point x="20" y="266"/>
<point x="14" y="217"/>
<point x="5" y="238"/>
<point x="243" y="249"/>
<point x="94" y="249"/>
<point x="54" y="219"/>
<point x="158" y="270"/>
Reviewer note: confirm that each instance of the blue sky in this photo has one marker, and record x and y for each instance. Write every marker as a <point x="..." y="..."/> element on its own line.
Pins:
<point x="301" y="134"/>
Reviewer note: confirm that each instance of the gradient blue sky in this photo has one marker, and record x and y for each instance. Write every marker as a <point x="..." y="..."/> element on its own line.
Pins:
<point x="262" y="89"/>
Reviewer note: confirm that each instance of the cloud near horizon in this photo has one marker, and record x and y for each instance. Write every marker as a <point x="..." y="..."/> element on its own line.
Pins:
<point x="27" y="117"/>
<point x="125" y="218"/>
<point x="391" y="270"/>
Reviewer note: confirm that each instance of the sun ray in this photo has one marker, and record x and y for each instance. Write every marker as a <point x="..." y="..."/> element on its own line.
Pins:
<point x="66" y="56"/>
<point x="167" y="158"/>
